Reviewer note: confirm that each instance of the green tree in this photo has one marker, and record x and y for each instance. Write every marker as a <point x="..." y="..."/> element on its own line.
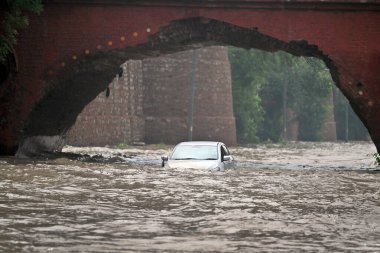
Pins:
<point x="14" y="18"/>
<point x="272" y="126"/>
<point x="246" y="85"/>
<point x="277" y="74"/>
<point x="312" y="85"/>
<point x="258" y="80"/>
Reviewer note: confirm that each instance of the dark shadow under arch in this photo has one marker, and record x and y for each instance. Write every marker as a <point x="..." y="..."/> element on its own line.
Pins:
<point x="9" y="66"/>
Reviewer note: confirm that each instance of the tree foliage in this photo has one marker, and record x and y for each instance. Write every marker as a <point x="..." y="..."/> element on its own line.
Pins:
<point x="14" y="18"/>
<point x="312" y="87"/>
<point x="258" y="82"/>
<point x="246" y="88"/>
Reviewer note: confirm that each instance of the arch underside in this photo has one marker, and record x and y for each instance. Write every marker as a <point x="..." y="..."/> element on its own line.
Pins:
<point x="78" y="84"/>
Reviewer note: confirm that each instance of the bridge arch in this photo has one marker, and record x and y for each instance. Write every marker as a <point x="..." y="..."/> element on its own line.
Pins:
<point x="74" y="85"/>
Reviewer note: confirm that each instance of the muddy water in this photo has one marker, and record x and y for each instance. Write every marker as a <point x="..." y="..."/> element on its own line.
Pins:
<point x="295" y="198"/>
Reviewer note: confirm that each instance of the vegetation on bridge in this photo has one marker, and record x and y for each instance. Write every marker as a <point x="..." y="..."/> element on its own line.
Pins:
<point x="14" y="18"/>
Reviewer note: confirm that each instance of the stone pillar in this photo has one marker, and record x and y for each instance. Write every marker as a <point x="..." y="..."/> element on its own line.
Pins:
<point x="167" y="93"/>
<point x="132" y="81"/>
<point x="116" y="115"/>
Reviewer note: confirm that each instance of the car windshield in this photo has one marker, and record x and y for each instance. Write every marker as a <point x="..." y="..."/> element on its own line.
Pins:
<point x="195" y="152"/>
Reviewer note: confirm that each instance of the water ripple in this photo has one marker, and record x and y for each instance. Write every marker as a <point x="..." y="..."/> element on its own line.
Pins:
<point x="282" y="203"/>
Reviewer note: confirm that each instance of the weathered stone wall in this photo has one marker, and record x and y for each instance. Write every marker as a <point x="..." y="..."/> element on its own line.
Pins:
<point x="167" y="93"/>
<point x="116" y="115"/>
<point x="159" y="112"/>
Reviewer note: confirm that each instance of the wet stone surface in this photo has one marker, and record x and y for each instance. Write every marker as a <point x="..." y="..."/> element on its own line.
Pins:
<point x="317" y="197"/>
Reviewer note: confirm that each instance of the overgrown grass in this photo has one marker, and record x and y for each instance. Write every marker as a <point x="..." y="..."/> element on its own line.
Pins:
<point x="376" y="156"/>
<point x="122" y="145"/>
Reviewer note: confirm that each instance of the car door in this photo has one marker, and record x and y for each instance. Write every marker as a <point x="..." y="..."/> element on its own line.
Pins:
<point x="226" y="153"/>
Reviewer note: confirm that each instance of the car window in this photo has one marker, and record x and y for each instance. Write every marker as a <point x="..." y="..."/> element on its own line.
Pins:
<point x="195" y="152"/>
<point x="225" y="150"/>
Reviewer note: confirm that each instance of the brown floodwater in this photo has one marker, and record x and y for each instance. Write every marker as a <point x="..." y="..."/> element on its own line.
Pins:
<point x="314" y="197"/>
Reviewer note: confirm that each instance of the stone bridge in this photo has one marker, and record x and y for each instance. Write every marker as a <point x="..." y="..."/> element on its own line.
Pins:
<point x="71" y="52"/>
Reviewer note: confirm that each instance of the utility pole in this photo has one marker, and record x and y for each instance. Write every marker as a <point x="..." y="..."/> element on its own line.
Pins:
<point x="192" y="93"/>
<point x="284" y="101"/>
<point x="284" y="108"/>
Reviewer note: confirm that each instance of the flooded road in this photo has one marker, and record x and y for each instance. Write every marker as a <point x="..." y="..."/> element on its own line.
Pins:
<point x="315" y="197"/>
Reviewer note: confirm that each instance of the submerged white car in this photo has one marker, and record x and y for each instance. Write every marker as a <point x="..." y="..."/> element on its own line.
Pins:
<point x="199" y="155"/>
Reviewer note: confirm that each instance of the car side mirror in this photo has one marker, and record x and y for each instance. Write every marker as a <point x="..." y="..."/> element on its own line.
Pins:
<point x="227" y="158"/>
<point x="164" y="159"/>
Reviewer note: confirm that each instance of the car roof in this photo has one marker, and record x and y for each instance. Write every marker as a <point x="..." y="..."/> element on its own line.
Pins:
<point x="200" y="143"/>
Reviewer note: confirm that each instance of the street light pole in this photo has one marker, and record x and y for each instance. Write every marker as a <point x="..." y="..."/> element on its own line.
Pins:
<point x="192" y="93"/>
<point x="284" y="101"/>
<point x="284" y="108"/>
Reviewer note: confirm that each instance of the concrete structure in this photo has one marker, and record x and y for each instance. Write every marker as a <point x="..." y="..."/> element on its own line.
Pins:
<point x="115" y="115"/>
<point x="167" y="100"/>
<point x="70" y="53"/>
<point x="161" y="110"/>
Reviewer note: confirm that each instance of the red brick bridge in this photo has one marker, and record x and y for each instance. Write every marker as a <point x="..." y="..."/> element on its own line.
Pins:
<point x="72" y="51"/>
